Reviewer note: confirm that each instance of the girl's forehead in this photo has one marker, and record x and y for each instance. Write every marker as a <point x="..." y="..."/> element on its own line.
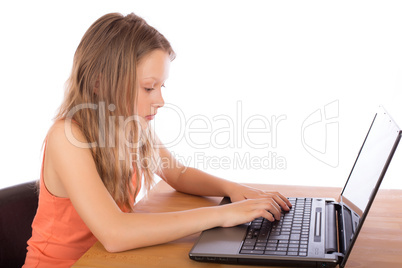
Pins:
<point x="154" y="66"/>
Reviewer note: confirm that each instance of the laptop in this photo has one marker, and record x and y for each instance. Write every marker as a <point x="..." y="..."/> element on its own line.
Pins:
<point x="317" y="232"/>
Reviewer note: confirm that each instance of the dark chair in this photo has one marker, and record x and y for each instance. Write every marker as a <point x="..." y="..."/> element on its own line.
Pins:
<point x="18" y="205"/>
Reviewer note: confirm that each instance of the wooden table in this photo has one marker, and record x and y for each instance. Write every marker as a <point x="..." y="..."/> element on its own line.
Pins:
<point x="379" y="243"/>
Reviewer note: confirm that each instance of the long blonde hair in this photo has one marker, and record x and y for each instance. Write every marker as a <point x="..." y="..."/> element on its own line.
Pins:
<point x="100" y="98"/>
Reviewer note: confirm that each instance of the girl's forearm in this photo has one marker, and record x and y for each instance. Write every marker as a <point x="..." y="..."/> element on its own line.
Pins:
<point x="134" y="230"/>
<point x="137" y="230"/>
<point x="197" y="182"/>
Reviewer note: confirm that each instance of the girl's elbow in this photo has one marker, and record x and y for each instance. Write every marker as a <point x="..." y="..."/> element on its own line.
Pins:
<point x="117" y="243"/>
<point x="119" y="236"/>
<point x="115" y="247"/>
<point x="110" y="241"/>
<point x="112" y="247"/>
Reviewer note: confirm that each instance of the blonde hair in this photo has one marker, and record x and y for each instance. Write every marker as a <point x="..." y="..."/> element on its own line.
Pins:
<point x="103" y="87"/>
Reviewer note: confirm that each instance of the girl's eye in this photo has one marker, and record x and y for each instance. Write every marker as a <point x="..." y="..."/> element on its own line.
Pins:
<point x="148" y="89"/>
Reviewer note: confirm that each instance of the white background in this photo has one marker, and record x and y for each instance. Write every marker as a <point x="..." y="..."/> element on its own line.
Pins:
<point x="287" y="58"/>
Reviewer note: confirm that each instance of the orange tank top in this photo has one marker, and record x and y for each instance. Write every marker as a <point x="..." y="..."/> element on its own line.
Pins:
<point x="59" y="235"/>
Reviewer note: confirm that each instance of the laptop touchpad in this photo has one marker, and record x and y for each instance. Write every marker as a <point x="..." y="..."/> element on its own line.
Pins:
<point x="221" y="240"/>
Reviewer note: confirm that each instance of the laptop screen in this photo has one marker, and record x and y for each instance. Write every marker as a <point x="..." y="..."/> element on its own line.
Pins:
<point x="367" y="174"/>
<point x="371" y="162"/>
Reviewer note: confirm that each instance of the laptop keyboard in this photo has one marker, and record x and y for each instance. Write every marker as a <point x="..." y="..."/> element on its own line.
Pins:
<point x="288" y="236"/>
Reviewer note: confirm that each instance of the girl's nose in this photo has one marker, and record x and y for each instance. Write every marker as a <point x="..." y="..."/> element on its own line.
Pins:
<point x="158" y="103"/>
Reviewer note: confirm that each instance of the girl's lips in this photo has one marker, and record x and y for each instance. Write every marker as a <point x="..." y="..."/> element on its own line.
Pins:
<point x="150" y="117"/>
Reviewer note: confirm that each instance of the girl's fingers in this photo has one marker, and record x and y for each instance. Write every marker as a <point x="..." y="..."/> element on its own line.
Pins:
<point x="268" y="215"/>
<point x="282" y="201"/>
<point x="270" y="206"/>
<point x="276" y="212"/>
<point x="285" y="200"/>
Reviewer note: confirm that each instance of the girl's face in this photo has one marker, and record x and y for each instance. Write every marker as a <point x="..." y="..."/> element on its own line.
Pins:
<point x="152" y="72"/>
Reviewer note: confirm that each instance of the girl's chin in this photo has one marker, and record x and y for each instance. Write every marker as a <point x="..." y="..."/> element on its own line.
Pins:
<point x="144" y="123"/>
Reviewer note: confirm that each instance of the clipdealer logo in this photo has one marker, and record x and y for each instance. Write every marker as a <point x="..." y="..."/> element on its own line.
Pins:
<point x="228" y="132"/>
<point x="320" y="134"/>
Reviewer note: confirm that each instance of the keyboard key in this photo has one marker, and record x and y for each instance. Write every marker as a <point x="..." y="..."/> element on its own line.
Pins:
<point x="275" y="253"/>
<point x="249" y="242"/>
<point x="295" y="237"/>
<point x="253" y="252"/>
<point x="279" y="237"/>
<point x="263" y="236"/>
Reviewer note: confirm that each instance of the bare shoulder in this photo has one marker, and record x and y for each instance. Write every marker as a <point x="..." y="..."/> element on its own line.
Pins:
<point x="66" y="148"/>
<point x="65" y="141"/>
<point x="67" y="132"/>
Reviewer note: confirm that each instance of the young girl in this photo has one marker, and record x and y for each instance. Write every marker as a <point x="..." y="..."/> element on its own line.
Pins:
<point x="100" y="148"/>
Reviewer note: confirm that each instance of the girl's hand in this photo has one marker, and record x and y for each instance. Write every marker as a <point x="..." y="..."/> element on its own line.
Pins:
<point x="242" y="192"/>
<point x="247" y="210"/>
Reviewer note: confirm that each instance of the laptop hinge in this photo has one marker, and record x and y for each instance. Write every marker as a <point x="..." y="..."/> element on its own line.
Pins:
<point x="334" y="238"/>
<point x="340" y="229"/>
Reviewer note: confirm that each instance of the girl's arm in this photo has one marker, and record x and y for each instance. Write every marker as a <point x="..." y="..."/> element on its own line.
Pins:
<point x="74" y="176"/>
<point x="194" y="181"/>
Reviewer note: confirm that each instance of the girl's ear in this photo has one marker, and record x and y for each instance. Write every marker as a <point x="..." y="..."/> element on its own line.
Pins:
<point x="97" y="85"/>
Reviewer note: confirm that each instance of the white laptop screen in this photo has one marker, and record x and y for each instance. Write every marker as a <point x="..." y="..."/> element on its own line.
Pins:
<point x="371" y="163"/>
